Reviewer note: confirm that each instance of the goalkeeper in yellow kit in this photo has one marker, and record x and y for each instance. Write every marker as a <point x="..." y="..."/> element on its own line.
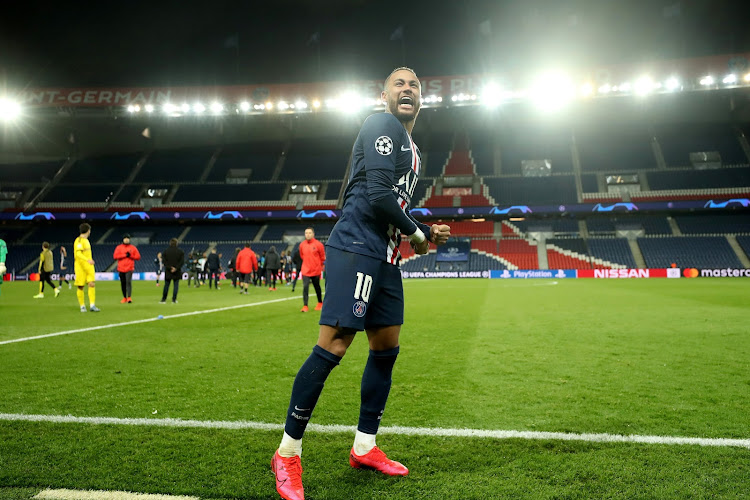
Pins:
<point x="84" y="268"/>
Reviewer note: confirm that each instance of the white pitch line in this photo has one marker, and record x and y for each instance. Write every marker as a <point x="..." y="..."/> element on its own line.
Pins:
<point x="396" y="430"/>
<point x="65" y="494"/>
<point x="147" y="320"/>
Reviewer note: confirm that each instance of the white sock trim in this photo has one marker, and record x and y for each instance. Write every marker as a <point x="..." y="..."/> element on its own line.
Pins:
<point x="290" y="447"/>
<point x="363" y="443"/>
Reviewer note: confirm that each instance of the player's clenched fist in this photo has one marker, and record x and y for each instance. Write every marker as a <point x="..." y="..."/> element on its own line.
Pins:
<point x="440" y="233"/>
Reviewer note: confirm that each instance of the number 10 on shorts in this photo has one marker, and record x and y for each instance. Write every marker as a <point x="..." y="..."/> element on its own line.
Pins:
<point x="363" y="287"/>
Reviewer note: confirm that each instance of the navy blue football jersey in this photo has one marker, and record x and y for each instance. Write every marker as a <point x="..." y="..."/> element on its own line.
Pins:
<point x="383" y="144"/>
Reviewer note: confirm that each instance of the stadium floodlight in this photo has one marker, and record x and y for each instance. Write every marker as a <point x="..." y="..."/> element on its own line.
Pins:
<point x="316" y="104"/>
<point x="245" y="106"/>
<point x="282" y="105"/>
<point x="169" y="108"/>
<point x="149" y="108"/>
<point x="729" y="79"/>
<point x="625" y="87"/>
<point x="672" y="84"/>
<point x="586" y="90"/>
<point x="9" y="109"/>
<point x="552" y="91"/>
<point x="605" y="89"/>
<point x="491" y="95"/>
<point x="350" y="102"/>
<point x="644" y="85"/>
<point x="185" y="107"/>
<point x="217" y="107"/>
<point x="747" y="78"/>
<point x="199" y="107"/>
<point x="259" y="107"/>
<point x="269" y="106"/>
<point x="300" y="104"/>
<point x="707" y="80"/>
<point x="131" y="108"/>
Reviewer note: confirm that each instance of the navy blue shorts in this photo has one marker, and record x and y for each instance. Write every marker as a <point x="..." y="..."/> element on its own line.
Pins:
<point x="361" y="292"/>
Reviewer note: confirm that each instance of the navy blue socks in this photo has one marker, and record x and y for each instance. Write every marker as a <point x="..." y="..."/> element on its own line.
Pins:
<point x="376" y="384"/>
<point x="306" y="390"/>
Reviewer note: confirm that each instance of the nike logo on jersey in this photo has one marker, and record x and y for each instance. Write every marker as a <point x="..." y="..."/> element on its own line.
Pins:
<point x="405" y="149"/>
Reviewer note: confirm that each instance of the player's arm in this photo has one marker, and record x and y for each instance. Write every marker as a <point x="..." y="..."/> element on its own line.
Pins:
<point x="380" y="172"/>
<point x="41" y="262"/>
<point x="135" y="254"/>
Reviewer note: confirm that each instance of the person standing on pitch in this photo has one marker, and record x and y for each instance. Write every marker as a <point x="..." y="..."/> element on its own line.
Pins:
<point x="3" y="255"/>
<point x="247" y="264"/>
<point x="46" y="266"/>
<point x="213" y="268"/>
<point x="63" y="267"/>
<point x="84" y="268"/>
<point x="158" y="267"/>
<point x="174" y="259"/>
<point x="296" y="266"/>
<point x="126" y="255"/>
<point x="363" y="284"/>
<point x="313" y="256"/>
<point x="273" y="264"/>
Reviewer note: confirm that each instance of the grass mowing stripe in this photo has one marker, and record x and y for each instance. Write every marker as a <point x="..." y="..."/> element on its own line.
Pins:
<point x="396" y="430"/>
<point x="147" y="320"/>
<point x="66" y="494"/>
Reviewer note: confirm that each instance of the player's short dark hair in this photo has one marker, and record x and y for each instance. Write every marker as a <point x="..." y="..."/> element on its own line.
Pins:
<point x="385" y="84"/>
<point x="173" y="242"/>
<point x="310" y="228"/>
<point x="247" y="244"/>
<point x="45" y="244"/>
<point x="84" y="228"/>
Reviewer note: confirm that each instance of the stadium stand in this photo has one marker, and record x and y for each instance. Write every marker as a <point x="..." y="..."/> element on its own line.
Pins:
<point x="535" y="144"/>
<point x="688" y="251"/>
<point x="713" y="224"/>
<point x="172" y="166"/>
<point x="29" y="172"/>
<point x="615" y="250"/>
<point x="101" y="169"/>
<point x="317" y="158"/>
<point x="678" y="141"/>
<point x="699" y="179"/>
<point x="230" y="192"/>
<point x="615" y="150"/>
<point x="551" y="190"/>
<point x="744" y="242"/>
<point x="260" y="157"/>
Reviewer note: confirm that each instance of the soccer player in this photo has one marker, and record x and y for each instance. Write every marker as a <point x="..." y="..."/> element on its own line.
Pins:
<point x="158" y="267"/>
<point x="364" y="290"/>
<point x="46" y="266"/>
<point x="3" y="254"/>
<point x="126" y="255"/>
<point x="313" y="256"/>
<point x="273" y="264"/>
<point x="84" y="268"/>
<point x="63" y="267"/>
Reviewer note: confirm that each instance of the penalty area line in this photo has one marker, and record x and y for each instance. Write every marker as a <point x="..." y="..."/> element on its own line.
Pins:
<point x="394" y="430"/>
<point x="146" y="320"/>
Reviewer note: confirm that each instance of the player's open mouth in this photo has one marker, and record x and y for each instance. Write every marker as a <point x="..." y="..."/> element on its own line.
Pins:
<point x="406" y="102"/>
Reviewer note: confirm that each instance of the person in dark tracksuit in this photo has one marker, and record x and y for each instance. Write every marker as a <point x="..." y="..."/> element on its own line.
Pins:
<point x="173" y="258"/>
<point x="213" y="268"/>
<point x="297" y="263"/>
<point x="273" y="264"/>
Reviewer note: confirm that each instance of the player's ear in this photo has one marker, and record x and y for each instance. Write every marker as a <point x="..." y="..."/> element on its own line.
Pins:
<point x="384" y="96"/>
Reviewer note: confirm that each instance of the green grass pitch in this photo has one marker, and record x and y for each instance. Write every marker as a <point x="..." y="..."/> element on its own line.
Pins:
<point x="629" y="357"/>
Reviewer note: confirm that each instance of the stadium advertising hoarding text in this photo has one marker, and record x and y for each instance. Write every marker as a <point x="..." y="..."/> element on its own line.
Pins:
<point x="532" y="273"/>
<point x="629" y="273"/>
<point x="727" y="272"/>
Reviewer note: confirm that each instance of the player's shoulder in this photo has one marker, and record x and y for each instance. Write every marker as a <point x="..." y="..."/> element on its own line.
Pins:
<point x="383" y="123"/>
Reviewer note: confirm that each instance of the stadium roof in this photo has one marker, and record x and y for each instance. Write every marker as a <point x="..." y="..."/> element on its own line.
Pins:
<point x="230" y="42"/>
